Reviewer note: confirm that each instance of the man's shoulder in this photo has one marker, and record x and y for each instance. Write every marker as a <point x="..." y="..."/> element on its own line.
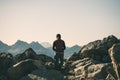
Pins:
<point x="58" y="40"/>
<point x="55" y="41"/>
<point x="62" y="40"/>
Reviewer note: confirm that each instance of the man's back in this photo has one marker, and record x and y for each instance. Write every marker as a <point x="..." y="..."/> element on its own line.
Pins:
<point x="59" y="45"/>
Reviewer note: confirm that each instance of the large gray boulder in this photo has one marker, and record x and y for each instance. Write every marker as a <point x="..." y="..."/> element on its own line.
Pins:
<point x="115" y="57"/>
<point x="23" y="68"/>
<point x="45" y="74"/>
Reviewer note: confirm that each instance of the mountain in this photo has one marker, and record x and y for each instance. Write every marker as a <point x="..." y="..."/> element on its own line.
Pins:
<point x="43" y="48"/>
<point x="46" y="44"/>
<point x="3" y="47"/>
<point x="36" y="46"/>
<point x="21" y="46"/>
<point x="40" y="49"/>
<point x="70" y="50"/>
<point x="18" y="47"/>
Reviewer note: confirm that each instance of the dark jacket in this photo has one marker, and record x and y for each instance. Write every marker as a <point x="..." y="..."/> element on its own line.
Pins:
<point x="59" y="45"/>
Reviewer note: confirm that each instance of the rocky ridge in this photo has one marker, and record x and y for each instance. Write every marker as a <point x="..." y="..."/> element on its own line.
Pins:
<point x="97" y="60"/>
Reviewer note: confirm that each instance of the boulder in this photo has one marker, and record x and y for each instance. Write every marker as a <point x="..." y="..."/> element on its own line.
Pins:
<point x="6" y="60"/>
<point x="74" y="57"/>
<point x="23" y="68"/>
<point x="27" y="54"/>
<point x="98" y="71"/>
<point x="114" y="53"/>
<point x="88" y="69"/>
<point x="98" y="49"/>
<point x="44" y="58"/>
<point x="3" y="77"/>
<point x="45" y="74"/>
<point x="30" y="54"/>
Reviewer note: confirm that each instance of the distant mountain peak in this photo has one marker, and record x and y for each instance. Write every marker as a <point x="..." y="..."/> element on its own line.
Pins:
<point x="76" y="45"/>
<point x="34" y="42"/>
<point x="2" y="43"/>
<point x="20" y="42"/>
<point x="46" y="44"/>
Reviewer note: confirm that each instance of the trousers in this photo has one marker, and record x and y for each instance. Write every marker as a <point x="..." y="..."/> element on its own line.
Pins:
<point x="59" y="59"/>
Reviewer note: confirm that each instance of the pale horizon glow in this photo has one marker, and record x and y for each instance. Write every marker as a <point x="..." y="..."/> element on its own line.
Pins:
<point x="78" y="21"/>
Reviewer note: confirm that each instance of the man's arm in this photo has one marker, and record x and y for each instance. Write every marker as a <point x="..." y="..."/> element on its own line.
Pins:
<point x="54" y="46"/>
<point x="64" y="46"/>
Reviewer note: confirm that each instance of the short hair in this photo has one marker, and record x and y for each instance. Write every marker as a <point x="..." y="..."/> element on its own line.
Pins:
<point x="58" y="35"/>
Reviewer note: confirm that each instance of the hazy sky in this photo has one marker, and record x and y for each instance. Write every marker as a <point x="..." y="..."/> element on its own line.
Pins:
<point x="79" y="21"/>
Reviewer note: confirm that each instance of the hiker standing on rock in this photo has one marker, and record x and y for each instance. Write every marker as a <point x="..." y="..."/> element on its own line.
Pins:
<point x="59" y="47"/>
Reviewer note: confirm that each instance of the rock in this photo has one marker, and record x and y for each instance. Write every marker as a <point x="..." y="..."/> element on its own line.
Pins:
<point x="115" y="57"/>
<point x="30" y="54"/>
<point x="98" y="49"/>
<point x="44" y="75"/>
<point x="27" y="54"/>
<point x="24" y="67"/>
<point x="93" y="61"/>
<point x="3" y="77"/>
<point x="98" y="71"/>
<point x="111" y="74"/>
<point x="44" y="58"/>
<point x="74" y="57"/>
<point x="6" y="60"/>
<point x="88" y="69"/>
<point x="109" y="77"/>
<point x="49" y="65"/>
<point x="48" y="61"/>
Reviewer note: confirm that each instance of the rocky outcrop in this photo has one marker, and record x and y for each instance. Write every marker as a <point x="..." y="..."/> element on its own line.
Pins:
<point x="28" y="62"/>
<point x="74" y="57"/>
<point x="98" y="49"/>
<point x="115" y="57"/>
<point x="88" y="69"/>
<point x="24" y="67"/>
<point x="30" y="54"/>
<point x="6" y="60"/>
<point x="93" y="61"/>
<point x="98" y="60"/>
<point x="27" y="54"/>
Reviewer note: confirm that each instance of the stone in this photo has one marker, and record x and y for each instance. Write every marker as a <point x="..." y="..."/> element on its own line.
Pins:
<point x="23" y="68"/>
<point x="27" y="54"/>
<point x="114" y="53"/>
<point x="98" y="49"/>
<point x="6" y="60"/>
<point x="30" y="54"/>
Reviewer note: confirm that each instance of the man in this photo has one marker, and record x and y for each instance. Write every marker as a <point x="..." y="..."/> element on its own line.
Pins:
<point x="59" y="47"/>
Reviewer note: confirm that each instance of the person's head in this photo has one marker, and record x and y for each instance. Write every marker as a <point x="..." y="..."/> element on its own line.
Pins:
<point x="58" y="36"/>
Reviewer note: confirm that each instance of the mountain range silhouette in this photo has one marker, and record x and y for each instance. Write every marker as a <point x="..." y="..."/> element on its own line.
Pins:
<point x="39" y="48"/>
